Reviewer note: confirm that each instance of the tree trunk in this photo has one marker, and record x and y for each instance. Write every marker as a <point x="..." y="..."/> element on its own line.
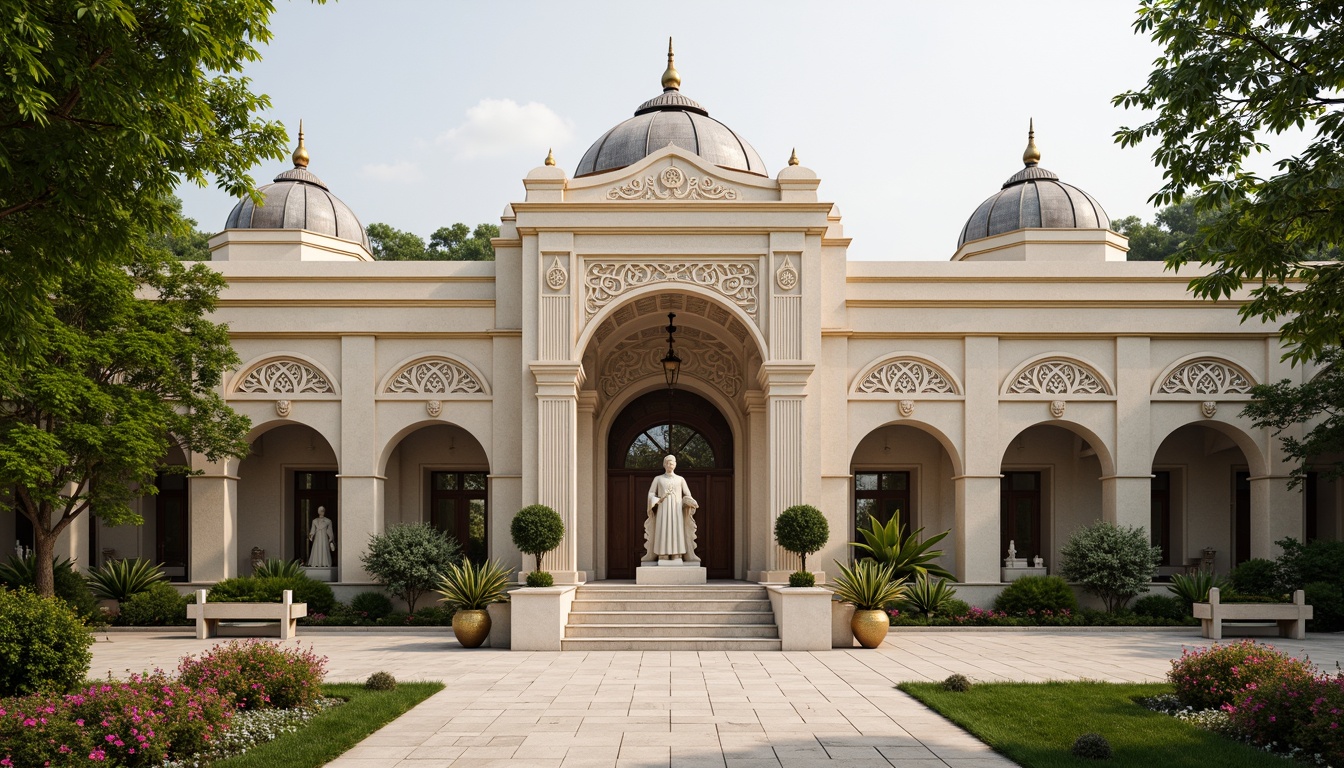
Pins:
<point x="44" y="547"/>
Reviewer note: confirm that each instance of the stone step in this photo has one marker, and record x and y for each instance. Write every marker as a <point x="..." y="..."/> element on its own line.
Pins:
<point x="670" y="594"/>
<point x="635" y="631"/>
<point x="584" y="604"/>
<point x="678" y="617"/>
<point x="669" y="644"/>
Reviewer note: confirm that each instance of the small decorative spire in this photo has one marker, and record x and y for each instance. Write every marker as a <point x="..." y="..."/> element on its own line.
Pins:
<point x="301" y="153"/>
<point x="671" y="80"/>
<point x="550" y="157"/>
<point x="1033" y="155"/>
<point x="793" y="158"/>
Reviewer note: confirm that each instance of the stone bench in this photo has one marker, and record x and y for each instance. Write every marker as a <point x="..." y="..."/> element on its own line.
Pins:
<point x="1291" y="617"/>
<point x="208" y="615"/>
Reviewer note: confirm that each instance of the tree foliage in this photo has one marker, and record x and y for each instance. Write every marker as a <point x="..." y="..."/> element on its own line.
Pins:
<point x="456" y="243"/>
<point x="409" y="559"/>
<point x="802" y="529"/>
<point x="114" y="381"/>
<point x="105" y="107"/>
<point x="1232" y="73"/>
<point x="1114" y="563"/>
<point x="1164" y="236"/>
<point x="1282" y="405"/>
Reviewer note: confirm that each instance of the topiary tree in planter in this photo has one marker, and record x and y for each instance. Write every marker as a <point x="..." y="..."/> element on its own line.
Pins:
<point x="802" y="529"/>
<point x="1112" y="562"/>
<point x="409" y="559"/>
<point x="536" y="530"/>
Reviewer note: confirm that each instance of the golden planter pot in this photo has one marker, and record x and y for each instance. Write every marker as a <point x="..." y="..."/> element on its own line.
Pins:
<point x="870" y="627"/>
<point x="471" y="627"/>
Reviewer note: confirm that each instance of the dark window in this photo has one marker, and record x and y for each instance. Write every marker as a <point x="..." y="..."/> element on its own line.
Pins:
<point x="313" y="490"/>
<point x="1242" y="523"/>
<point x="1020" y="513"/>
<point x="650" y="446"/>
<point x="879" y="495"/>
<point x="171" y="537"/>
<point x="457" y="506"/>
<point x="1311" y="506"/>
<point x="1160" y="522"/>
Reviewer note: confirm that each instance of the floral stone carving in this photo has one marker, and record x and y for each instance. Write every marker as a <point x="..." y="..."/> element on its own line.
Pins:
<point x="672" y="184"/>
<point x="605" y="281"/>
<point x="705" y="358"/>
<point x="435" y="377"/>
<point x="1057" y="377"/>
<point x="906" y="377"/>
<point x="1205" y="377"/>
<point x="285" y="377"/>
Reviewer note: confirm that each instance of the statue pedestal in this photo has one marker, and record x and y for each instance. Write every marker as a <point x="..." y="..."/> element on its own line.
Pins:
<point x="1013" y="574"/>
<point x="321" y="574"/>
<point x="669" y="575"/>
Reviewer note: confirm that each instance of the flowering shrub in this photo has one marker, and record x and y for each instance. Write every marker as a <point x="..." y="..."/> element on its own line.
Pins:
<point x="1212" y="677"/>
<point x="258" y="675"/>
<point x="43" y="645"/>
<point x="138" y="722"/>
<point x="1036" y="593"/>
<point x="1297" y="711"/>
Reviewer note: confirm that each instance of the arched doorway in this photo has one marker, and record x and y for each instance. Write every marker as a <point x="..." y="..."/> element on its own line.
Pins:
<point x="692" y="429"/>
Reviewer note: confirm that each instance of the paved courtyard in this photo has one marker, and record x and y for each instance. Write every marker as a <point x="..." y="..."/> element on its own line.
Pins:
<point x="698" y="709"/>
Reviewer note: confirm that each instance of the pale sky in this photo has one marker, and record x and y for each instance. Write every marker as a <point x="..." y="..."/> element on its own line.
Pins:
<point x="421" y="114"/>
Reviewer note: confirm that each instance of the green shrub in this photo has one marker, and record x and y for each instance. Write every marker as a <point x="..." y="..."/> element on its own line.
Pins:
<point x="381" y="681"/>
<point x="536" y="530"/>
<point x="1194" y="588"/>
<point x="1327" y="605"/>
<point x="926" y="597"/>
<point x="1162" y="607"/>
<point x="1211" y="677"/>
<point x="69" y="585"/>
<point x="430" y="616"/>
<point x="282" y="568"/>
<point x="802" y="579"/>
<point x="159" y="605"/>
<point x="1319" y="560"/>
<point x="409" y="558"/>
<point x="259" y="675"/>
<point x="1294" y="712"/>
<point x="956" y="683"/>
<point x="44" y="647"/>
<point x="802" y="529"/>
<point x="371" y="605"/>
<point x="953" y="608"/>
<point x="1032" y="595"/>
<point x="119" y="579"/>
<point x="540" y="579"/>
<point x="1257" y="576"/>
<point x="250" y="589"/>
<point x="1112" y="562"/>
<point x="1092" y="746"/>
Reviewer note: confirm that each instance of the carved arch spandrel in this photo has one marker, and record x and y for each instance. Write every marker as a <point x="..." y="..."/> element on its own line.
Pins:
<point x="289" y="375"/>
<point x="438" y="376"/>
<point x="1052" y="375"/>
<point x="1202" y="376"/>
<point x="906" y="375"/>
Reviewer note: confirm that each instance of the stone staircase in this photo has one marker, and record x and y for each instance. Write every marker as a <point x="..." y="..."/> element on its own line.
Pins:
<point x="713" y="617"/>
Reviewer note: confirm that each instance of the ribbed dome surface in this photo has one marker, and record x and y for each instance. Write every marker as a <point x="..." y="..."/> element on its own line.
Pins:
<point x="299" y="200"/>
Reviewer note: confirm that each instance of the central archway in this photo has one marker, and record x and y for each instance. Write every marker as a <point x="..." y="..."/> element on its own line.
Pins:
<point x="691" y="428"/>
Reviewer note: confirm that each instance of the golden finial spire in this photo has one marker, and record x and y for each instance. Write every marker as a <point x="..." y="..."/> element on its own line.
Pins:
<point x="1033" y="155"/>
<point x="550" y="157"/>
<point x="301" y="153"/>
<point x="671" y="80"/>
<point x="793" y="158"/>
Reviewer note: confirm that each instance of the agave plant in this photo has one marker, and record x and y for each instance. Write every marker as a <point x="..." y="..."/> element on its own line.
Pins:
<point x="868" y="585"/>
<point x="285" y="569"/>
<point x="1194" y="587"/>
<point x="22" y="571"/>
<point x="470" y="587"/>
<point x="119" y="579"/>
<point x="905" y="553"/>
<point x="926" y="597"/>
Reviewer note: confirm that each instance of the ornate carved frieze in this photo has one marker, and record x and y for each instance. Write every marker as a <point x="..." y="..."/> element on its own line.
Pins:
<point x="705" y="358"/>
<point x="1205" y="377"/>
<point x="605" y="281"/>
<point x="786" y="277"/>
<point x="1056" y="376"/>
<point x="285" y="377"/>
<point x="556" y="276"/>
<point x="672" y="184"/>
<point x="906" y="377"/>
<point x="435" y="377"/>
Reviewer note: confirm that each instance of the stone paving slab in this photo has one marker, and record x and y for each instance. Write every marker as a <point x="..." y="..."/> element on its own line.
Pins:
<point x="728" y="709"/>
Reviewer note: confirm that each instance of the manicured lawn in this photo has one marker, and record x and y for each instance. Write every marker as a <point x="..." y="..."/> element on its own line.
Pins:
<point x="1035" y="725"/>
<point x="338" y="729"/>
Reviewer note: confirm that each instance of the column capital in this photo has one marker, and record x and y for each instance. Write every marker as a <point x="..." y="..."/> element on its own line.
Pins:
<point x="784" y="378"/>
<point x="557" y="379"/>
<point x="587" y="401"/>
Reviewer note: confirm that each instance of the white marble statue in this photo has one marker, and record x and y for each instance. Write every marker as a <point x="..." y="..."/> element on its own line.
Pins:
<point x="324" y="543"/>
<point x="669" y="496"/>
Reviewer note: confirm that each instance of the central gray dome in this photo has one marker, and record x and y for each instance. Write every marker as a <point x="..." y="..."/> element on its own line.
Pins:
<point x="1034" y="198"/>
<point x="670" y="118"/>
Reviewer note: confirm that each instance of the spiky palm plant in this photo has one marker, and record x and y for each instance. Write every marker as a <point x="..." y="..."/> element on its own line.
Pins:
<point x="926" y="597"/>
<point x="466" y="586"/>
<point x="119" y="579"/>
<point x="1194" y="587"/>
<point x="279" y="568"/>
<point x="905" y="553"/>
<point x="868" y="585"/>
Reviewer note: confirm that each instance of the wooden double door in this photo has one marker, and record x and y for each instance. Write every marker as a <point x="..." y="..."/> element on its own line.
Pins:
<point x="689" y="427"/>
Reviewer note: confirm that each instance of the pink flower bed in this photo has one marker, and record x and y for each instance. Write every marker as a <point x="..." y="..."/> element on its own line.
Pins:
<point x="258" y="675"/>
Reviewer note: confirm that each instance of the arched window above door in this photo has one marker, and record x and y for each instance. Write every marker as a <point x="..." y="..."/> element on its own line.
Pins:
<point x="649" y="447"/>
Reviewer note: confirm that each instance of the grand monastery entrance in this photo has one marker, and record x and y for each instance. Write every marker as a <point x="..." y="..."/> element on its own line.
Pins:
<point x="689" y="427"/>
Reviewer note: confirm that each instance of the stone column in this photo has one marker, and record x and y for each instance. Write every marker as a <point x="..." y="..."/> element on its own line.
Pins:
<point x="1126" y="493"/>
<point x="213" y="527"/>
<point x="785" y="385"/>
<point x="977" y="488"/>
<point x="586" y="475"/>
<point x="977" y="528"/>
<point x="360" y="490"/>
<point x="1276" y="513"/>
<point x="557" y="459"/>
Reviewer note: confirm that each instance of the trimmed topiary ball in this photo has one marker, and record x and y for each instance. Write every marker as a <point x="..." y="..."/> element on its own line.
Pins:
<point x="802" y="579"/>
<point x="540" y="579"/>
<point x="536" y="530"/>
<point x="802" y="529"/>
<point x="381" y="681"/>
<point x="957" y="683"/>
<point x="1092" y="746"/>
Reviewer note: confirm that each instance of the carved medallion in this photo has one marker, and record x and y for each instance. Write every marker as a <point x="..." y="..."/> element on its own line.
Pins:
<point x="556" y="277"/>
<point x="1057" y="408"/>
<point x="672" y="184"/>
<point x="433" y="408"/>
<point x="1209" y="408"/>
<point x="786" y="277"/>
<point x="906" y="408"/>
<point x="605" y="281"/>
<point x="283" y="408"/>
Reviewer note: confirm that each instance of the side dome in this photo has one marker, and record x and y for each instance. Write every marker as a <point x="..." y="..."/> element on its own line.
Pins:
<point x="1034" y="198"/>
<point x="670" y="118"/>
<point x="299" y="200"/>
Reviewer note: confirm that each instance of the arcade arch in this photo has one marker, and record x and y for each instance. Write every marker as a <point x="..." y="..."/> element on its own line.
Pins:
<point x="438" y="473"/>
<point x="290" y="471"/>
<point x="907" y="468"/>
<point x="1202" y="495"/>
<point x="1050" y="486"/>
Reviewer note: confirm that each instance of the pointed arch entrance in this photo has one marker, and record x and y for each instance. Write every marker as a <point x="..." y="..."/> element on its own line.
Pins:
<point x="691" y="428"/>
